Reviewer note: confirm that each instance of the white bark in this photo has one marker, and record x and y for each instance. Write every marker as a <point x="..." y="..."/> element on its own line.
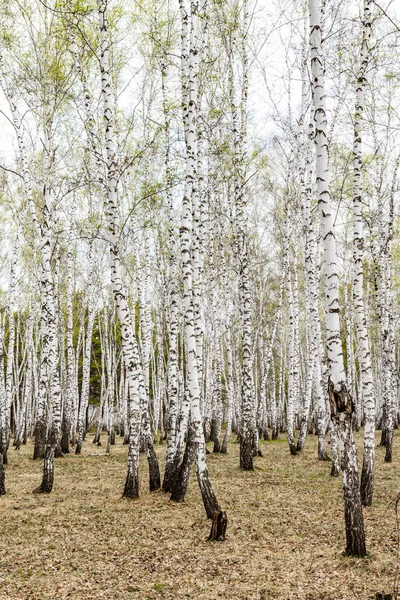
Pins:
<point x="341" y="403"/>
<point x="366" y="375"/>
<point x="291" y="376"/>
<point x="118" y="287"/>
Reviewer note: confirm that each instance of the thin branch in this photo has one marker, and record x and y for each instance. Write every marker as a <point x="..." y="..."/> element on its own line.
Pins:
<point x="386" y="15"/>
<point x="10" y="171"/>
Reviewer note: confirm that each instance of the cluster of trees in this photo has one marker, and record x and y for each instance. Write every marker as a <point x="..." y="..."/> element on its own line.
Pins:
<point x="201" y="252"/>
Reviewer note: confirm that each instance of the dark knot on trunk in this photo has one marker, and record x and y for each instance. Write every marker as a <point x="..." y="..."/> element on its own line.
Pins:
<point x="340" y="400"/>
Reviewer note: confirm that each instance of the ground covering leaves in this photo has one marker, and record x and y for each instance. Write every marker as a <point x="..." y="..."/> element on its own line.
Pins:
<point x="285" y="537"/>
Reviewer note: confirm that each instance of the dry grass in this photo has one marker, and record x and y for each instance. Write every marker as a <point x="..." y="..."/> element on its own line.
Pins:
<point x="285" y="535"/>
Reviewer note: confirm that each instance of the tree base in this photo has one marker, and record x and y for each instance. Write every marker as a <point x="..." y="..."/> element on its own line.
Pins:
<point x="342" y="410"/>
<point x="182" y="479"/>
<point x="168" y="477"/>
<point x="39" y="450"/>
<point x="131" y="489"/>
<point x="224" y="448"/>
<point x="207" y="493"/>
<point x="44" y="488"/>
<point x="58" y="452"/>
<point x="389" y="443"/>
<point x="367" y="483"/>
<point x="293" y="449"/>
<point x="218" y="527"/>
<point x="335" y="471"/>
<point x="324" y="457"/>
<point x="154" y="469"/>
<point x="383" y="437"/>
<point x="48" y="472"/>
<point x="2" y="477"/>
<point x="322" y="453"/>
<point x="246" y="453"/>
<point x="65" y="443"/>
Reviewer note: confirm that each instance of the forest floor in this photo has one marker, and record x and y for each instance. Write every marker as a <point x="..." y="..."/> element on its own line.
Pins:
<point x="285" y="536"/>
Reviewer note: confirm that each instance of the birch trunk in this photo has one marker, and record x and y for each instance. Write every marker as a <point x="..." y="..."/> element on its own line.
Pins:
<point x="195" y="447"/>
<point x="229" y="389"/>
<point x="366" y="374"/>
<point x="119" y="290"/>
<point x="341" y="404"/>
<point x="291" y="378"/>
<point x="10" y="353"/>
<point x="217" y="393"/>
<point x="3" y="411"/>
<point x="87" y="354"/>
<point x="239" y="131"/>
<point x="49" y="384"/>
<point x="172" y="374"/>
<point x="70" y="386"/>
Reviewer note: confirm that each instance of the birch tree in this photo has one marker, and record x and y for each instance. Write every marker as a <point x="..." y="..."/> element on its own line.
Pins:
<point x="341" y="403"/>
<point x="119" y="289"/>
<point x="366" y="376"/>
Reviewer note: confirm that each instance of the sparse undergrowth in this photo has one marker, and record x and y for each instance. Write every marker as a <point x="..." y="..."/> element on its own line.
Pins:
<point x="285" y="536"/>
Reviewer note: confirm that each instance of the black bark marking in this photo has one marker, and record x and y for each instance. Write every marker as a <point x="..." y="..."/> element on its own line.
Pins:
<point x="218" y="527"/>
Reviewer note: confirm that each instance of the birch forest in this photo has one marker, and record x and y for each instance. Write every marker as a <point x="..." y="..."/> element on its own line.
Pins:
<point x="199" y="299"/>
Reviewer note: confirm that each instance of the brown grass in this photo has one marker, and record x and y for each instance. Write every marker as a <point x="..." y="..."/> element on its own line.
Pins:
<point x="285" y="535"/>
